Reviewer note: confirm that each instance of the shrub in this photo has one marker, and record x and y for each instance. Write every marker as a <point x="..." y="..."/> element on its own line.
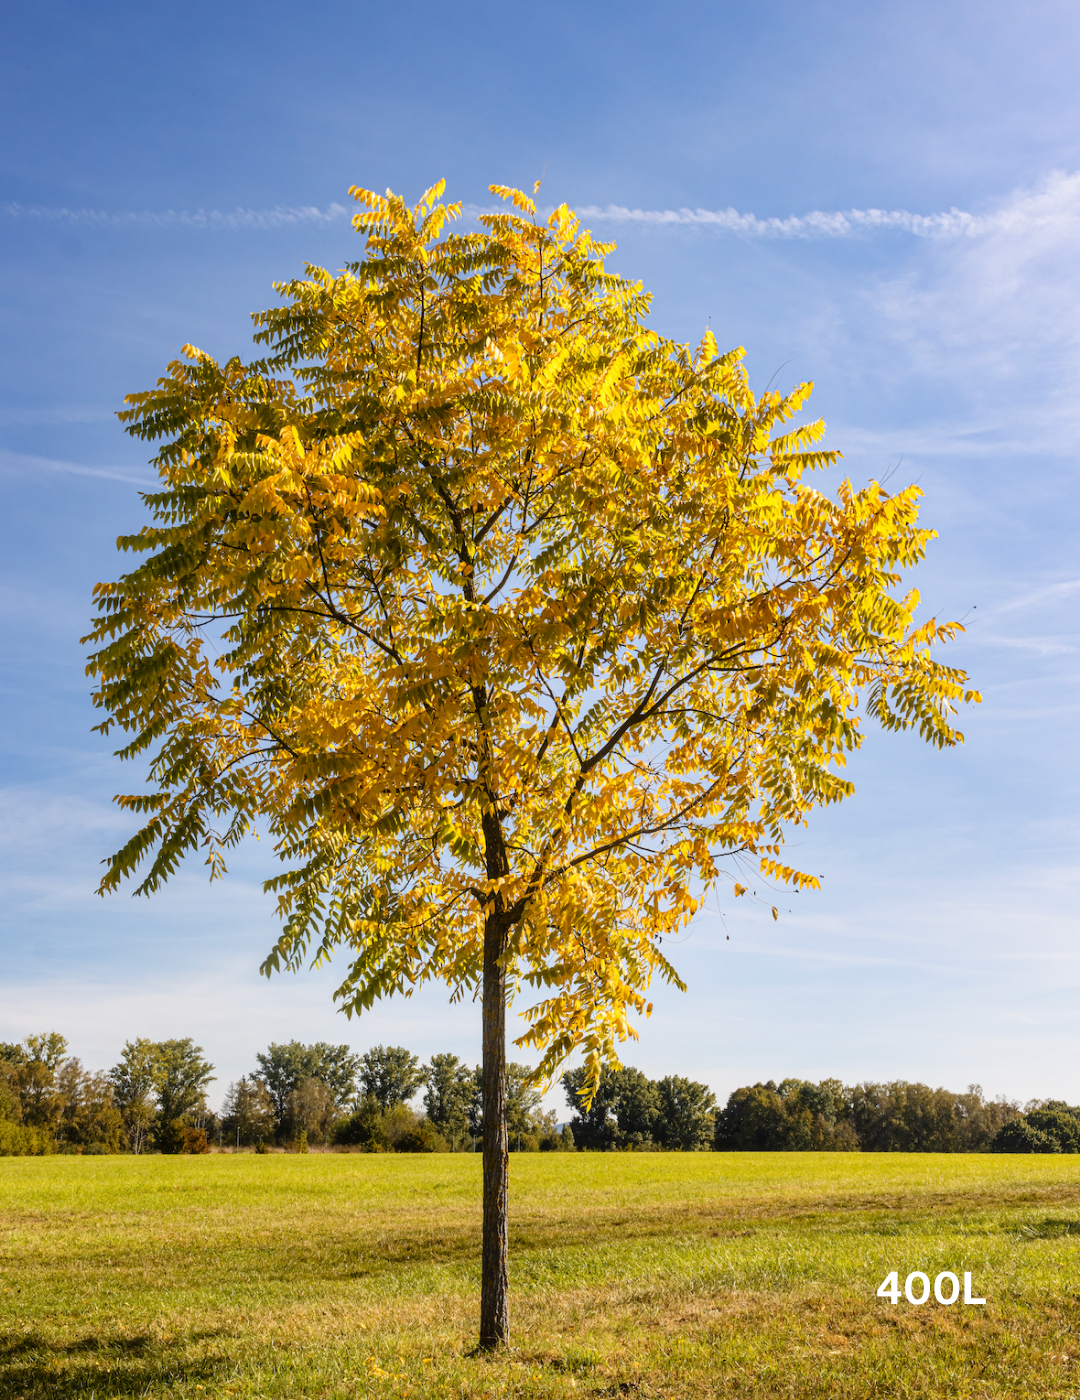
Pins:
<point x="561" y="1140"/>
<point x="1060" y="1125"/>
<point x="365" y="1128"/>
<point x="425" y="1137"/>
<point x="18" y="1140"/>
<point x="193" y="1141"/>
<point x="1019" y="1136"/>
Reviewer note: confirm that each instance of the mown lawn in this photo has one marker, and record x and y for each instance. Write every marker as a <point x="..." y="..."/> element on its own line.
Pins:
<point x="700" y="1275"/>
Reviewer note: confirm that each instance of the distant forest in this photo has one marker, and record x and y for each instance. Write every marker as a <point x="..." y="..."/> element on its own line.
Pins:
<point x="327" y="1097"/>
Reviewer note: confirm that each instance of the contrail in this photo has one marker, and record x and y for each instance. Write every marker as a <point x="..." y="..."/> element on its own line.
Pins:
<point x="838" y="224"/>
<point x="281" y="216"/>
<point x="1058" y="201"/>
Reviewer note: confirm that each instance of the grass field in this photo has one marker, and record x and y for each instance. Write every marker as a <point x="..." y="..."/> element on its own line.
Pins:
<point x="708" y="1274"/>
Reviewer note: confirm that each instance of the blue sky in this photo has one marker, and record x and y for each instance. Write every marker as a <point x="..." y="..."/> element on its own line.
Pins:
<point x="161" y="167"/>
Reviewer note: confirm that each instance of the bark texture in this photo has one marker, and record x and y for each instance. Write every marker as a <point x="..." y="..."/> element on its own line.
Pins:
<point x="495" y="1273"/>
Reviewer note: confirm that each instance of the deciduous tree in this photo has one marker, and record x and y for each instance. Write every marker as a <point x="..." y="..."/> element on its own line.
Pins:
<point x="134" y="1090"/>
<point x="248" y="1114"/>
<point x="90" y="1116"/>
<point x="283" y="1068"/>
<point x="449" y="1096"/>
<point x="509" y="620"/>
<point x="181" y="1077"/>
<point x="390" y="1075"/>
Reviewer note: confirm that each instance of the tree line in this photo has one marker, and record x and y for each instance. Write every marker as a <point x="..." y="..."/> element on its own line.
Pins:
<point x="154" y="1099"/>
<point x="322" y="1095"/>
<point x="798" y="1116"/>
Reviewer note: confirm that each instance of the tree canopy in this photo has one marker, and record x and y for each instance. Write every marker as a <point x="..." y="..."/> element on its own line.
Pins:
<point x="283" y="1068"/>
<point x="390" y="1074"/>
<point x="486" y="599"/>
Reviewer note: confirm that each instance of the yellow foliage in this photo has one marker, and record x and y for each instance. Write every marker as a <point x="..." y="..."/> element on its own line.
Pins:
<point x="493" y="606"/>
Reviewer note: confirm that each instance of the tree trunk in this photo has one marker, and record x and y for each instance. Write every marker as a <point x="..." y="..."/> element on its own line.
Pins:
<point x="495" y="1275"/>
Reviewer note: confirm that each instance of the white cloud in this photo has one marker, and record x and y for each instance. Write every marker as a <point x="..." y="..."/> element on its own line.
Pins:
<point x="1004" y="306"/>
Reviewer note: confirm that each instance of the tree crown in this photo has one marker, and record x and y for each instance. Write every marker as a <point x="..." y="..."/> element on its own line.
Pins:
<point x="492" y="604"/>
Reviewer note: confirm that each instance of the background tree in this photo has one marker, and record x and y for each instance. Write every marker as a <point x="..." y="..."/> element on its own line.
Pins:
<point x="687" y="1113"/>
<point x="593" y="1124"/>
<point x="1056" y="1120"/>
<point x="283" y="1068"/>
<point x="637" y="1108"/>
<point x="247" y="1113"/>
<point x="16" y="1138"/>
<point x="979" y="1119"/>
<point x="135" y="1092"/>
<point x="90" y="1117"/>
<point x="626" y="1111"/>
<point x="449" y="1096"/>
<point x="34" y="1076"/>
<point x="311" y="1110"/>
<point x="522" y="1102"/>
<point x="31" y="1104"/>
<point x="1019" y="1136"/>
<point x="181" y="1077"/>
<point x="797" y="1116"/>
<point x="508" y="619"/>
<point x="390" y="1075"/>
<point x="754" y="1119"/>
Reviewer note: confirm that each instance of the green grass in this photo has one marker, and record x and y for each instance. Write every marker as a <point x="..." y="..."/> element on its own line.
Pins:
<point x="700" y="1275"/>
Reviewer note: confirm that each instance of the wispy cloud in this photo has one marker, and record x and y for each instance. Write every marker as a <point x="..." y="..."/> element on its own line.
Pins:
<point x="1005" y="300"/>
<point x="1050" y="593"/>
<point x="24" y="464"/>
<point x="281" y="216"/>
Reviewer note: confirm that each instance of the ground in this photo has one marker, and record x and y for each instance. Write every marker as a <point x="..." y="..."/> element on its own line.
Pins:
<point x="710" y="1274"/>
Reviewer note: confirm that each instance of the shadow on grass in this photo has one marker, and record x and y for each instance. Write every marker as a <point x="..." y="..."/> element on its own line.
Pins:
<point x="32" y="1367"/>
<point x="1050" y="1230"/>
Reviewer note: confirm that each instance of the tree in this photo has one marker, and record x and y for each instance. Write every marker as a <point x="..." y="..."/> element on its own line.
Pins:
<point x="522" y="1101"/>
<point x="21" y="1091"/>
<point x="90" y="1116"/>
<point x="283" y="1068"/>
<point x="390" y="1075"/>
<point x="312" y="1110"/>
<point x="16" y="1138"/>
<point x="1018" y="1136"/>
<point x="687" y="1113"/>
<point x="511" y="622"/>
<point x="754" y="1119"/>
<point x="1058" y="1123"/>
<point x="905" y="1117"/>
<point x="34" y="1077"/>
<point x="624" y="1111"/>
<point x="133" y="1082"/>
<point x="450" y="1095"/>
<point x="248" y="1114"/>
<point x="180" y="1077"/>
